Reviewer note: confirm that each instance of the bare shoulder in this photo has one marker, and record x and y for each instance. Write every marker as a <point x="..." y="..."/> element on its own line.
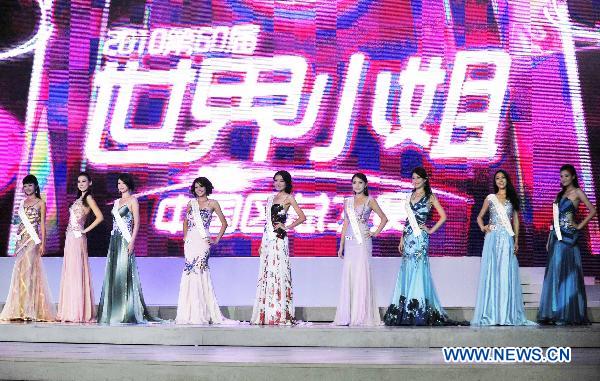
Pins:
<point x="289" y="199"/>
<point x="580" y="193"/>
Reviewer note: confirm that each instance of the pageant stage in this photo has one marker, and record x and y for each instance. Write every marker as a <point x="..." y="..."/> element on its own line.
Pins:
<point x="304" y="352"/>
<point x="313" y="349"/>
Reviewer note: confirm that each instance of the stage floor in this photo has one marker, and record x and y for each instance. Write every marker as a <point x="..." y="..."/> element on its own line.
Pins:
<point x="133" y="362"/>
<point x="57" y="351"/>
<point x="304" y="335"/>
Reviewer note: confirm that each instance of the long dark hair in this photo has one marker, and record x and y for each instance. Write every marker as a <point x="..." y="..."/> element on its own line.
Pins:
<point x="511" y="193"/>
<point x="287" y="178"/>
<point x="571" y="169"/>
<point x="204" y="182"/>
<point x="363" y="177"/>
<point x="31" y="179"/>
<point x="88" y="192"/>
<point x="422" y="173"/>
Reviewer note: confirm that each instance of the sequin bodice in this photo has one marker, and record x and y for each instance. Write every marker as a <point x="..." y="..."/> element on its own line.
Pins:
<point x="77" y="215"/>
<point x="34" y="217"/>
<point x="495" y="219"/>
<point x="363" y="212"/>
<point x="421" y="209"/>
<point x="566" y="215"/>
<point x="279" y="214"/>
<point x="205" y="214"/>
<point x="127" y="217"/>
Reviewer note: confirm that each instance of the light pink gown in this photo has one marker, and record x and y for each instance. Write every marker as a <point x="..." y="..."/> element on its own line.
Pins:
<point x="356" y="305"/>
<point x="76" y="300"/>
<point x="28" y="296"/>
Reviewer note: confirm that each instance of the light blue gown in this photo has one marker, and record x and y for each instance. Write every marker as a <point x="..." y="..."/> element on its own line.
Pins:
<point x="499" y="297"/>
<point x="563" y="299"/>
<point x="415" y="301"/>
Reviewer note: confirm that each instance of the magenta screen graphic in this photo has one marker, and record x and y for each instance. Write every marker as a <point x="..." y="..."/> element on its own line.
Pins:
<point x="236" y="89"/>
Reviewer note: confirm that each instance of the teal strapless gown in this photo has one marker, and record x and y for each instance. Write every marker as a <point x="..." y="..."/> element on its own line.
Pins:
<point x="563" y="299"/>
<point x="415" y="301"/>
<point x="500" y="296"/>
<point x="122" y="300"/>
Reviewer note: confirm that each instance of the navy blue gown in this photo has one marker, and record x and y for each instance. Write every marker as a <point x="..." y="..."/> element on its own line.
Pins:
<point x="563" y="299"/>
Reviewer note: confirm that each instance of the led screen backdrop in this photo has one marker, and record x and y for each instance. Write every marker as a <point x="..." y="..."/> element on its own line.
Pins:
<point x="234" y="90"/>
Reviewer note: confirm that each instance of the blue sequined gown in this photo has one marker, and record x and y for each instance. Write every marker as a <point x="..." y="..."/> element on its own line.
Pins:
<point x="499" y="296"/>
<point x="122" y="300"/>
<point x="563" y="299"/>
<point x="415" y="301"/>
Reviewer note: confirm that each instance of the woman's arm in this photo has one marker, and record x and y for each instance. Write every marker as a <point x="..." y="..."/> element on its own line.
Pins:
<point x="343" y="237"/>
<point x="185" y="227"/>
<point x="97" y="213"/>
<point x="301" y="217"/>
<point x="135" y="209"/>
<point x="583" y="197"/>
<point x="482" y="212"/>
<point x="224" y="225"/>
<point x="42" y="250"/>
<point x="516" y="229"/>
<point x="384" y="220"/>
<point x="438" y="207"/>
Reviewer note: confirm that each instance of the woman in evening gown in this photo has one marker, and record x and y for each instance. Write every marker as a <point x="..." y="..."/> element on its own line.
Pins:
<point x="274" y="298"/>
<point x="499" y="296"/>
<point x="197" y="301"/>
<point x="28" y="295"/>
<point x="357" y="304"/>
<point x="76" y="298"/>
<point x="415" y="301"/>
<point x="122" y="300"/>
<point x="563" y="300"/>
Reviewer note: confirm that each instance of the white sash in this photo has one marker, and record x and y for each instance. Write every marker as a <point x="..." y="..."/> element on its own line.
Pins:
<point x="353" y="221"/>
<point x="270" y="229"/>
<point x="412" y="220"/>
<point x="27" y="224"/>
<point x="504" y="220"/>
<point x="198" y="219"/>
<point x="120" y="223"/>
<point x="555" y="215"/>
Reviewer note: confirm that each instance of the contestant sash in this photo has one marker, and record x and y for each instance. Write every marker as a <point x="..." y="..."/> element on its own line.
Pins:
<point x="120" y="223"/>
<point x="270" y="228"/>
<point x="27" y="224"/>
<point x="199" y="221"/>
<point x="555" y="217"/>
<point x="412" y="220"/>
<point x="504" y="220"/>
<point x="353" y="220"/>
